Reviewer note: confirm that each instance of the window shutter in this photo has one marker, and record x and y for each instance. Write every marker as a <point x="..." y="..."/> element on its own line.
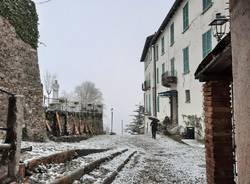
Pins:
<point x="204" y="41"/>
<point x="209" y="41"/>
<point x="186" y="60"/>
<point x="185" y="17"/>
<point x="172" y="67"/>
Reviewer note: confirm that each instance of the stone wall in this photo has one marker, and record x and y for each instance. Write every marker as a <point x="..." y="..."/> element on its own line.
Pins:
<point x="240" y="34"/>
<point x="19" y="70"/>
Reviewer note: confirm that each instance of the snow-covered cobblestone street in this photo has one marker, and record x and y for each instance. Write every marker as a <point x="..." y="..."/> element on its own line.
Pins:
<point x="157" y="161"/>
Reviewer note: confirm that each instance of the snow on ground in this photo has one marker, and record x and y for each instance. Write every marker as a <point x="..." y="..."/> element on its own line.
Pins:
<point x="157" y="161"/>
<point x="50" y="172"/>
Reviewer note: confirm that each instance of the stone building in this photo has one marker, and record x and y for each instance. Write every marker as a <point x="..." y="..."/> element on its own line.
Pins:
<point x="19" y="70"/>
<point x="170" y="58"/>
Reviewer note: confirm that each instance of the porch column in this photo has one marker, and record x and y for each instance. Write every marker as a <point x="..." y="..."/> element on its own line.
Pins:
<point x="240" y="34"/>
<point x="218" y="132"/>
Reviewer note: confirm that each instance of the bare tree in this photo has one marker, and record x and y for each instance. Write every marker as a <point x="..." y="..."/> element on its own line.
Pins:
<point x="87" y="93"/>
<point x="48" y="83"/>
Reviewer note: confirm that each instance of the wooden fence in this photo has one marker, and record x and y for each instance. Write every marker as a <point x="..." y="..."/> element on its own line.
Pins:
<point x="11" y="148"/>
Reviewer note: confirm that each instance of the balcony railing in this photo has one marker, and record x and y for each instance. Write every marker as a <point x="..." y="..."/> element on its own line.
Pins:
<point x="169" y="78"/>
<point x="146" y="86"/>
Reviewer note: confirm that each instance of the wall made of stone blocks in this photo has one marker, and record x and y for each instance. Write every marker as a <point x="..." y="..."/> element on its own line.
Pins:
<point x="19" y="74"/>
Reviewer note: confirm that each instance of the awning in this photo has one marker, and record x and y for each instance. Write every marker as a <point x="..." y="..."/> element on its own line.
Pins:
<point x="168" y="93"/>
<point x="217" y="65"/>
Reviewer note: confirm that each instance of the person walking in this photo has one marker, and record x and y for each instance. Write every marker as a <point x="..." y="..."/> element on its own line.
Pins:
<point x="154" y="126"/>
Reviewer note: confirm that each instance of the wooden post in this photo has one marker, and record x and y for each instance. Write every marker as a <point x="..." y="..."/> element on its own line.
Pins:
<point x="14" y="123"/>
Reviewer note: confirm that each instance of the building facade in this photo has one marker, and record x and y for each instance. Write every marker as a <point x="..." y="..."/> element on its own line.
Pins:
<point x="171" y="57"/>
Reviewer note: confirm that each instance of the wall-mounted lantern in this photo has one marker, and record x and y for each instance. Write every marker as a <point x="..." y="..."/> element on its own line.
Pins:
<point x="219" y="26"/>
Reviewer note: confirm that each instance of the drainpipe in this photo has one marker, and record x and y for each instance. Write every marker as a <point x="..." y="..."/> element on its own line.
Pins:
<point x="154" y="84"/>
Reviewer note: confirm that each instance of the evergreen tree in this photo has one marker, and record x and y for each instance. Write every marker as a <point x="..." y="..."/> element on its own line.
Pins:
<point x="136" y="126"/>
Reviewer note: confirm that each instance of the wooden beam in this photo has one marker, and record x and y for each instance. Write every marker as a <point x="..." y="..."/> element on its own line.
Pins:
<point x="15" y="122"/>
<point x="5" y="146"/>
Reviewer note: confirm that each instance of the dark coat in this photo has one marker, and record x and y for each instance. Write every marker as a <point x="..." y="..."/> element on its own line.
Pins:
<point x="154" y="125"/>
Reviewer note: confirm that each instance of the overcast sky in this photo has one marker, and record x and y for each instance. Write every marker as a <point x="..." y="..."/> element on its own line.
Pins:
<point x="100" y="41"/>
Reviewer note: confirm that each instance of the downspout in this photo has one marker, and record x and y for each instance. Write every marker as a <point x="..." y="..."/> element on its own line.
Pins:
<point x="154" y="85"/>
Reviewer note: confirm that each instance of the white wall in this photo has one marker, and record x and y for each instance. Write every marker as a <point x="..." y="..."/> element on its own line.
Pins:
<point x="198" y="25"/>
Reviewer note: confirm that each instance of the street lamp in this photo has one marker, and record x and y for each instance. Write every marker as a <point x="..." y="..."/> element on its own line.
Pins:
<point x="219" y="26"/>
<point x="112" y="119"/>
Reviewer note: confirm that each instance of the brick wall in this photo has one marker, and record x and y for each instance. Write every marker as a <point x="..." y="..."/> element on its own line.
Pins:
<point x="218" y="132"/>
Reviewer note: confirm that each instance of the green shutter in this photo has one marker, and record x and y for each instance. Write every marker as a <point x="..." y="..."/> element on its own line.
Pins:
<point x="162" y="46"/>
<point x="163" y="68"/>
<point x="186" y="60"/>
<point x="172" y="67"/>
<point x="158" y="104"/>
<point x="157" y="75"/>
<point x="206" y="4"/>
<point x="172" y="34"/>
<point x="206" y="43"/>
<point x="209" y="41"/>
<point x="185" y="17"/>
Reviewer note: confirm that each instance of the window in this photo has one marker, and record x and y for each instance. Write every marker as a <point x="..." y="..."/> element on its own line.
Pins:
<point x="163" y="68"/>
<point x="186" y="60"/>
<point x="158" y="104"/>
<point x="185" y="17"/>
<point x="172" y="71"/>
<point x="207" y="4"/>
<point x="157" y="75"/>
<point x="172" y="34"/>
<point x="162" y="46"/>
<point x="188" y="99"/>
<point x="206" y="43"/>
<point x="156" y="53"/>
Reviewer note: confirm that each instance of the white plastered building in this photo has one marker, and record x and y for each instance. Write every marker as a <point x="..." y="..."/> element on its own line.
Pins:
<point x="171" y="56"/>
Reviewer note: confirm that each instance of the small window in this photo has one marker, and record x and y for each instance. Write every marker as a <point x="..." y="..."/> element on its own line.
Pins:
<point x="185" y="17"/>
<point x="186" y="60"/>
<point x="206" y="43"/>
<point x="188" y="98"/>
<point x="172" y="34"/>
<point x="162" y="46"/>
<point x="207" y="4"/>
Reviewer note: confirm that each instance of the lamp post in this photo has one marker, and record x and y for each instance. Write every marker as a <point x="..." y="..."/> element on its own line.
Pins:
<point x="219" y="26"/>
<point x="112" y="119"/>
